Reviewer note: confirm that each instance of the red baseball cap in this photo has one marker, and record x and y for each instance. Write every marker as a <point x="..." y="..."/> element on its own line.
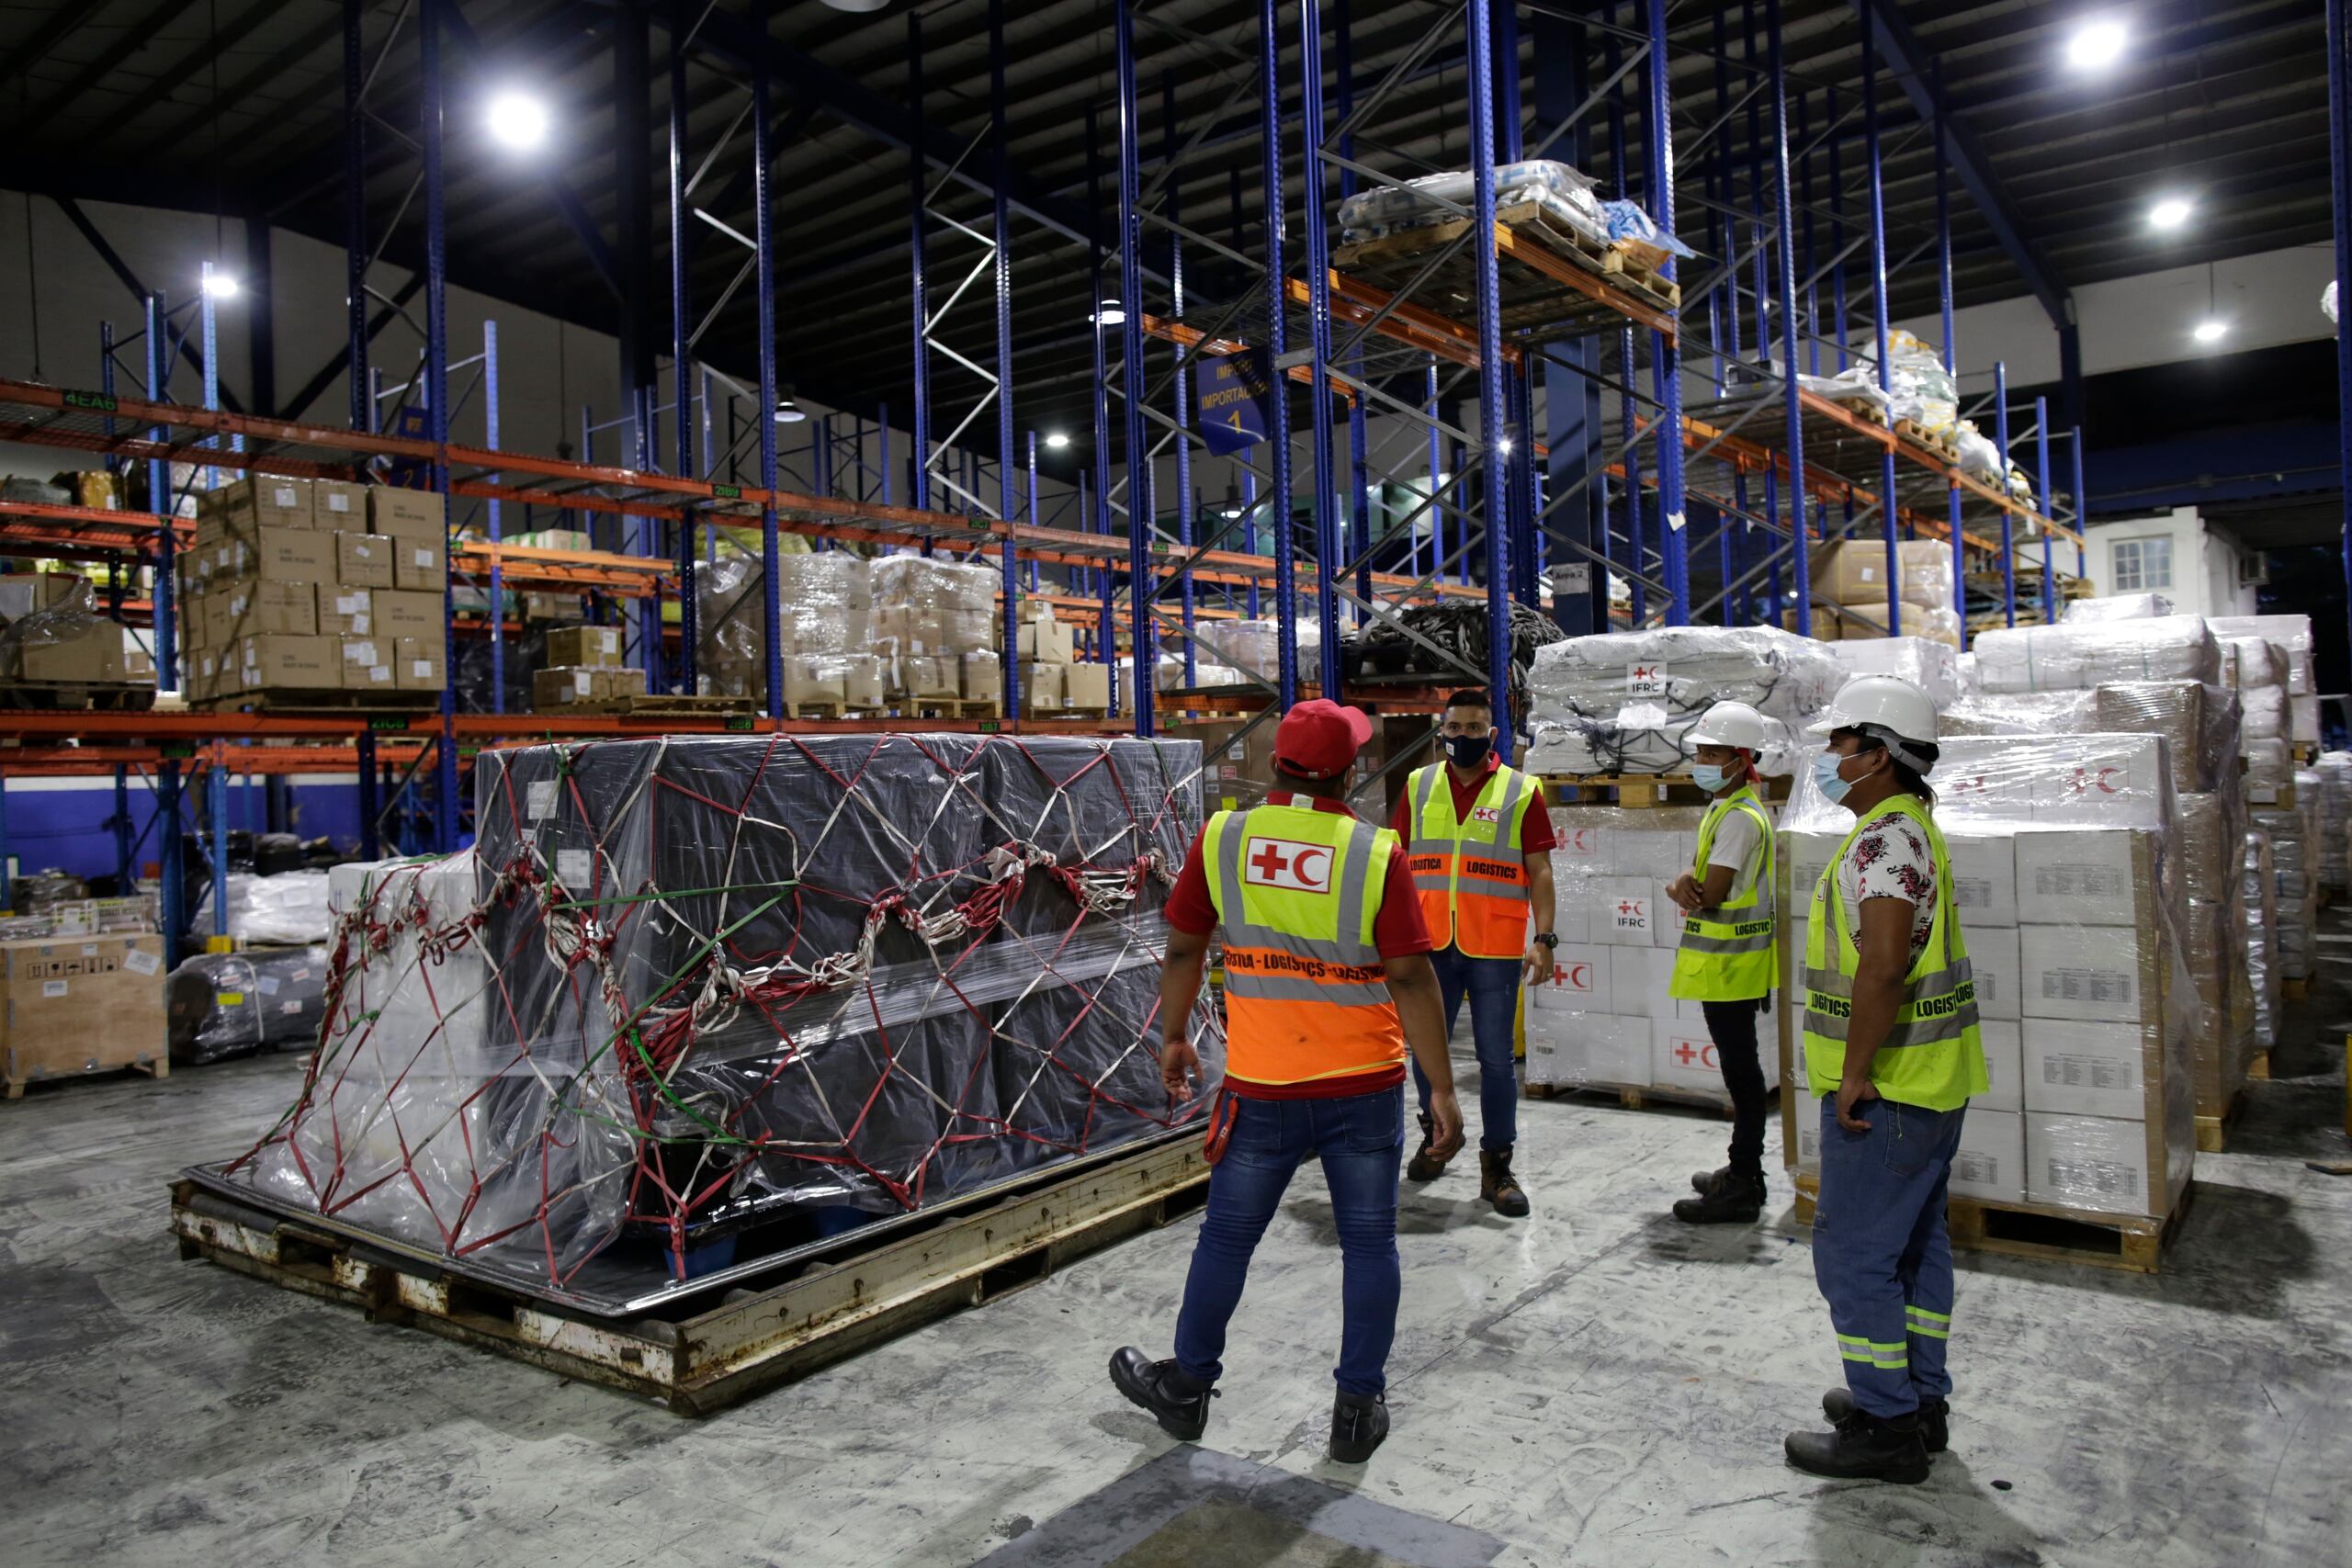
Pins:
<point x="1318" y="739"/>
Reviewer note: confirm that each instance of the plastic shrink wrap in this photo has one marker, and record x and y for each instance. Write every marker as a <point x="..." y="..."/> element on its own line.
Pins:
<point x="2294" y="858"/>
<point x="2331" y="776"/>
<point x="2067" y="839"/>
<point x="2291" y="634"/>
<point x="1621" y="702"/>
<point x="2260" y="891"/>
<point x="68" y="641"/>
<point x="2115" y="607"/>
<point x="1558" y="187"/>
<point x="2070" y="658"/>
<point x="1254" y="647"/>
<point x="822" y="610"/>
<point x="220" y="1005"/>
<point x="927" y="608"/>
<point x="285" y="909"/>
<point x="686" y="985"/>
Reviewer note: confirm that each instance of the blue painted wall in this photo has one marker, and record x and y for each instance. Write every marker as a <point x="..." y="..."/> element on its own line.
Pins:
<point x="62" y="822"/>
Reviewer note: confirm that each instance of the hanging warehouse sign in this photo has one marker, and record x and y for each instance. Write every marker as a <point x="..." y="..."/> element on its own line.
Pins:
<point x="1235" y="389"/>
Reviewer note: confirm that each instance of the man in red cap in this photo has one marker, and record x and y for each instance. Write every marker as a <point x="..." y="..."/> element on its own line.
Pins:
<point x="1327" y="983"/>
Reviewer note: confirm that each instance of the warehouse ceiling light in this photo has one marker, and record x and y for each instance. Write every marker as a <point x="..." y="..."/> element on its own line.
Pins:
<point x="858" y="7"/>
<point x="518" y="121"/>
<point x="2170" y="213"/>
<point x="1110" y="314"/>
<point x="220" y="285"/>
<point x="2097" y="44"/>
<point x="2210" y="331"/>
<point x="1057" y="440"/>
<point x="788" y="411"/>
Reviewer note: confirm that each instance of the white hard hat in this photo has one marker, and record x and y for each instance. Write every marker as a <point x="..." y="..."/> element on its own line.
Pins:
<point x="1728" y="724"/>
<point x="1888" y="705"/>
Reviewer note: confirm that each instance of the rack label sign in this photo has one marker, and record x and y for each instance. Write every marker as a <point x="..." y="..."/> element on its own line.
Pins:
<point x="727" y="492"/>
<point x="740" y="723"/>
<point x="388" y="721"/>
<point x="102" y="401"/>
<point x="1235" y="389"/>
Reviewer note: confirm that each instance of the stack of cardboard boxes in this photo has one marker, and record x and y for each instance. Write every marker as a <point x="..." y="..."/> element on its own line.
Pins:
<point x="1053" y="682"/>
<point x="586" y="666"/>
<point x="1849" y="583"/>
<point x="310" y="586"/>
<point x="2075" y="931"/>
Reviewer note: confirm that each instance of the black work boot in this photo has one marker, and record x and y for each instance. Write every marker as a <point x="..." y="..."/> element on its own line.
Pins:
<point x="1734" y="1200"/>
<point x="1863" y="1448"/>
<point x="1705" y="1181"/>
<point x="1424" y="1165"/>
<point x="1181" y="1405"/>
<point x="1359" y="1422"/>
<point x="1497" y="1186"/>
<point x="1935" y="1417"/>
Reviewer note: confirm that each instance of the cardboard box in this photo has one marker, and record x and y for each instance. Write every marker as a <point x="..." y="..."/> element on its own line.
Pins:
<point x="345" y="612"/>
<point x="2089" y="1069"/>
<point x="982" y="676"/>
<point x="261" y="609"/>
<point x="294" y="663"/>
<point x="2085" y="876"/>
<point x="2093" y="1163"/>
<point x="420" y="564"/>
<point x="1087" y="687"/>
<point x="262" y="499"/>
<point x="562" y="686"/>
<point x="1587" y="1048"/>
<point x="93" y="658"/>
<point x="1042" y="690"/>
<point x="363" y="560"/>
<point x="2004" y="1066"/>
<point x="1983" y="878"/>
<point x="279" y="554"/>
<point x="368" y="664"/>
<point x="1640" y="978"/>
<point x="1625" y="912"/>
<point x="1851" y="571"/>
<point x="393" y="510"/>
<point x="810" y="679"/>
<point x="595" y="647"/>
<point x="2090" y="974"/>
<point x="1578" y="983"/>
<point x="1990" y="1162"/>
<point x="862" y="684"/>
<point x="1683" y="1056"/>
<point x="419" y="663"/>
<point x="1045" y="642"/>
<point x="931" y="676"/>
<point x="85" y="1004"/>
<point x="338" y="504"/>
<point x="408" y="614"/>
<point x="2000" y="981"/>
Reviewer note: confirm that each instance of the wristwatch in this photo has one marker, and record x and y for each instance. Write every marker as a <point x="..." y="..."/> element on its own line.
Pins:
<point x="1549" y="939"/>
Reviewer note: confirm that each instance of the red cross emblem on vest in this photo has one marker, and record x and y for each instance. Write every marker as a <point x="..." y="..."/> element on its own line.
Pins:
<point x="1284" y="862"/>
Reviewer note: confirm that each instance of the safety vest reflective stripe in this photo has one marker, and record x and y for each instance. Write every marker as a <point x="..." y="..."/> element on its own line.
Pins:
<point x="1871" y="1353"/>
<point x="1305" y="994"/>
<point x="1470" y="877"/>
<point x="1754" y="936"/>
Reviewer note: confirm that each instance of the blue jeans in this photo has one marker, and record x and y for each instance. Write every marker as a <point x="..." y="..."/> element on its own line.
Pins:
<point x="1362" y="1142"/>
<point x="1881" y="1252"/>
<point x="1492" y="986"/>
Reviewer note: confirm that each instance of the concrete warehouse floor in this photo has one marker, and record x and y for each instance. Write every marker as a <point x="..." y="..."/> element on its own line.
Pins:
<point x="1598" y="1384"/>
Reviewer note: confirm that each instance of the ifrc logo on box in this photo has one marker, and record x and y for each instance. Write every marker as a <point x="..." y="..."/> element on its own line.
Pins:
<point x="1285" y="863"/>
<point x="1694" y="1053"/>
<point x="2099" y="781"/>
<point x="1646" y="680"/>
<point x="1631" y="914"/>
<point x="1576" y="979"/>
<point x="1578" y="841"/>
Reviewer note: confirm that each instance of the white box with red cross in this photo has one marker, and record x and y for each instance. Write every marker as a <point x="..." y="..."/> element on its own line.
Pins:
<point x="1682" y="1055"/>
<point x="1580" y="981"/>
<point x="1576" y="1049"/>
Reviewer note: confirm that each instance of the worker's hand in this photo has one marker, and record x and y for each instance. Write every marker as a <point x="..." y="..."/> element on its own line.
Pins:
<point x="1536" y="967"/>
<point x="1178" y="1065"/>
<point x="1851" y="1093"/>
<point x="1445" y="1125"/>
<point x="1686" y="893"/>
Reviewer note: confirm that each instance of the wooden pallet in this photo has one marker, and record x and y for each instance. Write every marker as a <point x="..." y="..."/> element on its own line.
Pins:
<point x="2258" y="1066"/>
<point x="828" y="710"/>
<point x="662" y="704"/>
<point x="336" y="703"/>
<point x="1531" y="300"/>
<point x="1632" y="1099"/>
<point x="158" y="1067"/>
<point x="2293" y="991"/>
<point x="711" y="1351"/>
<point x="1640" y="790"/>
<point x="2133" y="1243"/>
<point x="2214" y="1133"/>
<point x="77" y="697"/>
<point x="1918" y="435"/>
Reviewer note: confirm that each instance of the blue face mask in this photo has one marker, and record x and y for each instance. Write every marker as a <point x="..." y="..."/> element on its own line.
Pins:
<point x="1825" y="775"/>
<point x="1709" y="777"/>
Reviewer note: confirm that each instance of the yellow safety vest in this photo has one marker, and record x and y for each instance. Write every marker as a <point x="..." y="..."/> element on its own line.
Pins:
<point x="1933" y="1057"/>
<point x="1470" y="876"/>
<point x="1726" y="952"/>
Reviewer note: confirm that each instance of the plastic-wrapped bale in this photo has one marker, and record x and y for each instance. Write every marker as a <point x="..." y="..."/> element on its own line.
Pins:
<point x="2332" y="773"/>
<point x="2072" y="658"/>
<point x="289" y="907"/>
<point x="2252" y="663"/>
<point x="1621" y="702"/>
<point x="1253" y="647"/>
<point x="733" y="980"/>
<point x="1931" y="665"/>
<point x="1560" y="188"/>
<point x="2260" y="883"/>
<point x="2293" y="855"/>
<point x="2115" y="607"/>
<point x="2291" y="635"/>
<point x="822" y="611"/>
<point x="925" y="607"/>
<point x="220" y="1004"/>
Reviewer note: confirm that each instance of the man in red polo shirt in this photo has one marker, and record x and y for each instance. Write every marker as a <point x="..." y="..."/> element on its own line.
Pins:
<point x="1327" y="986"/>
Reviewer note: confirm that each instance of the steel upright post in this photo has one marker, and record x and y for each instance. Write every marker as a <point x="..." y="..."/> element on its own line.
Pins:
<point x="1952" y="356"/>
<point x="436" y="391"/>
<point x="497" y="533"/>
<point x="164" y="504"/>
<point x="1877" y="319"/>
<point x="1106" y="617"/>
<point x="2340" y="165"/>
<point x="1636" y="544"/>
<point x="1493" y="411"/>
<point x="1270" y="110"/>
<point x="216" y="810"/>
<point x="1359" y="442"/>
<point x="1328" y="551"/>
<point x="682" y="20"/>
<point x="763" y="292"/>
<point x="1185" y="505"/>
<point x="1666" y="358"/>
<point x="2083" y="496"/>
<point x="1008" y="462"/>
<point x="2008" y="519"/>
<point x="1437" y="470"/>
<point x="1143" y="580"/>
<point x="355" y="209"/>
<point x="1782" y="210"/>
<point x="920" y="495"/>
<point x="2041" y="494"/>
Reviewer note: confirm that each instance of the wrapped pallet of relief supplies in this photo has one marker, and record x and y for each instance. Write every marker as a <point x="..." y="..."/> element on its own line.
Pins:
<point x="2333" y="776"/>
<point x="1621" y="702"/>
<point x="822" y="605"/>
<point x="1930" y="664"/>
<point x="2080" y="941"/>
<point x="1559" y="188"/>
<point x="2293" y="856"/>
<point x="2292" y="636"/>
<point x="2115" y="607"/>
<point x="2260" y="887"/>
<point x="2072" y="657"/>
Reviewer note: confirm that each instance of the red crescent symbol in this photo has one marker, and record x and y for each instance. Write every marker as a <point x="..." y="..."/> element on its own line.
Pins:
<point x="1580" y="975"/>
<point x="1300" y="865"/>
<point x="2104" y="774"/>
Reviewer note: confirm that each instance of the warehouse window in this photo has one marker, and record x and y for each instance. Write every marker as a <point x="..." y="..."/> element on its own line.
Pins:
<point x="2142" y="564"/>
